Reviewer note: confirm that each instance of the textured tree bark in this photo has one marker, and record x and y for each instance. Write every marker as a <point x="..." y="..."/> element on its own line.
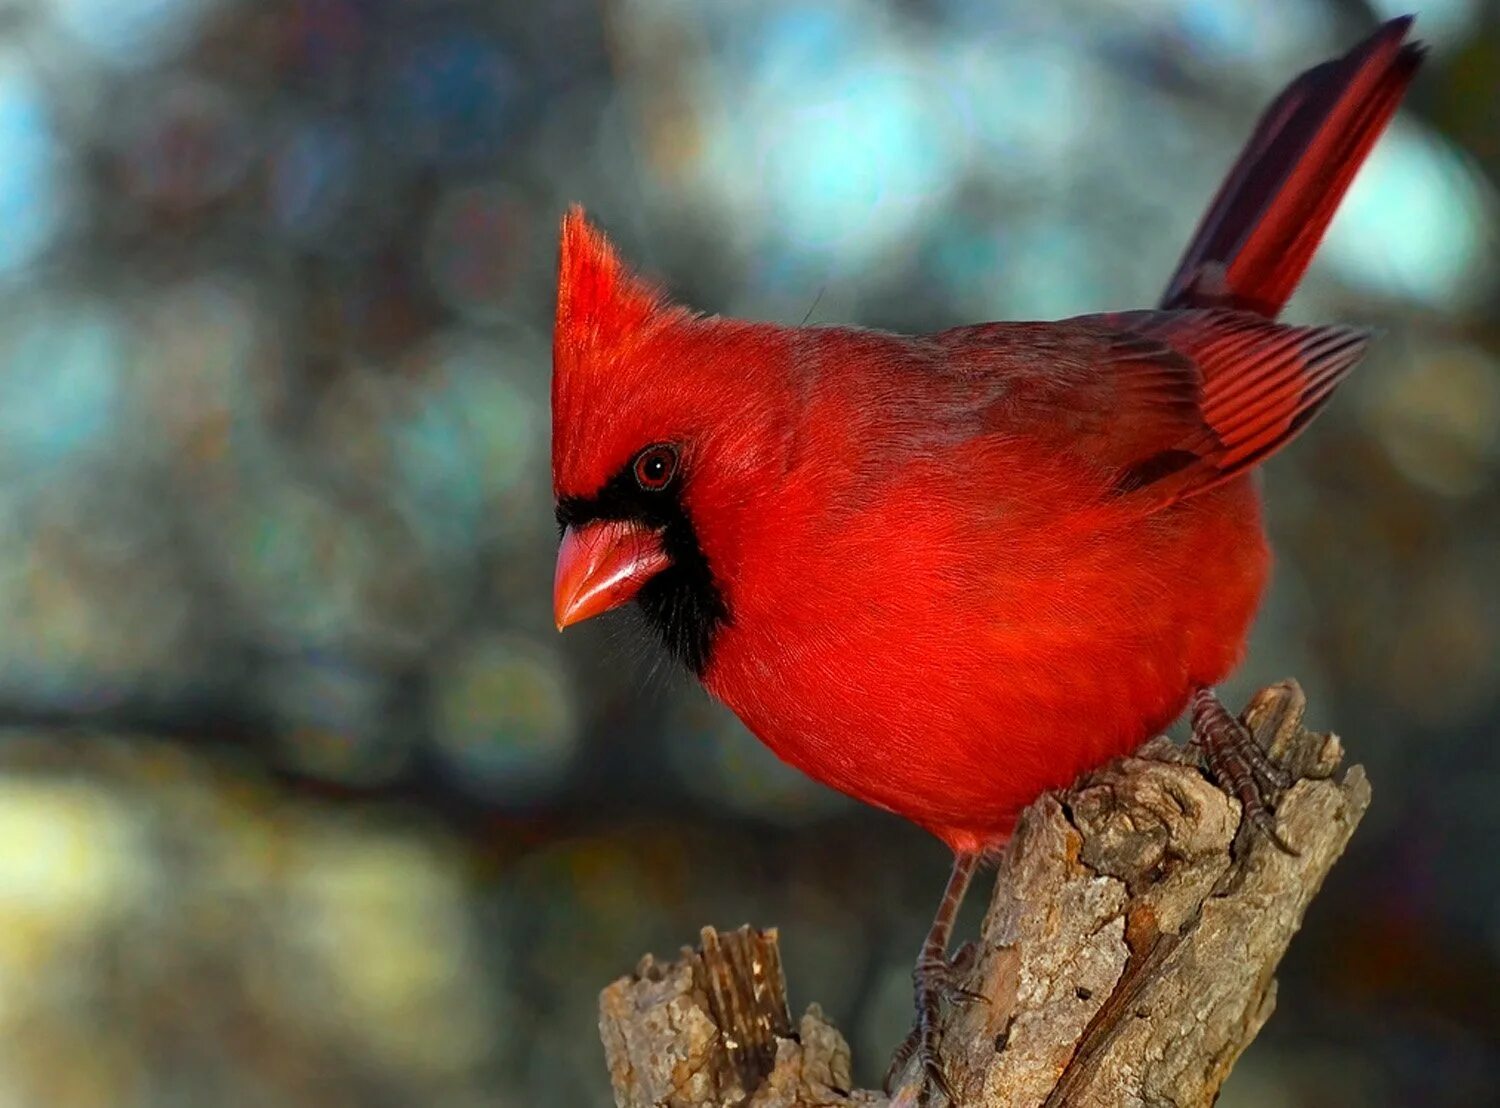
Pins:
<point x="1127" y="957"/>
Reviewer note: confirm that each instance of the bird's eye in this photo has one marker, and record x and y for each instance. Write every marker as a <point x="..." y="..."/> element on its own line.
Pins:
<point x="655" y="467"/>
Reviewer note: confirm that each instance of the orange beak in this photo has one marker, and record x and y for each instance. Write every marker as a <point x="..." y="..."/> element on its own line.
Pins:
<point x="603" y="565"/>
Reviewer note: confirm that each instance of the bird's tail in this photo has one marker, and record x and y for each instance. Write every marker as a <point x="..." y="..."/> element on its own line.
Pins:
<point x="1258" y="236"/>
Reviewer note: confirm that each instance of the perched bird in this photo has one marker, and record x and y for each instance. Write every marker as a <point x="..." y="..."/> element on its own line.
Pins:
<point x="945" y="573"/>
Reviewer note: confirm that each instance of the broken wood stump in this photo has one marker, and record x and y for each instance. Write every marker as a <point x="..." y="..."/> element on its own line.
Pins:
<point x="1128" y="956"/>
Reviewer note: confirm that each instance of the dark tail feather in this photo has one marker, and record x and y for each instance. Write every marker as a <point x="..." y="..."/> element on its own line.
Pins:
<point x="1258" y="236"/>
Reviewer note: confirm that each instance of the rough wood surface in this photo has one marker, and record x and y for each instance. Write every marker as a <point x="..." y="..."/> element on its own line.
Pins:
<point x="1127" y="957"/>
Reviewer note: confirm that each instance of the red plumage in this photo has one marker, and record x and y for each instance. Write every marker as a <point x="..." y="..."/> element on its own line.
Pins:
<point x="945" y="573"/>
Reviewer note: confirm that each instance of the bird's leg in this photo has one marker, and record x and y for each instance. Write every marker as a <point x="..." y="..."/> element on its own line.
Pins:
<point x="936" y="978"/>
<point x="1239" y="763"/>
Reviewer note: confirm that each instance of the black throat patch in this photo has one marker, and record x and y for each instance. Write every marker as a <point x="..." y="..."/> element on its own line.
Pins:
<point x="682" y="602"/>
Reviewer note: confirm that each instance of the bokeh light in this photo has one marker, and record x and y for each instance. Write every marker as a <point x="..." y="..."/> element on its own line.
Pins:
<point x="62" y="382"/>
<point x="1417" y="223"/>
<point x="838" y="143"/>
<point x="505" y="718"/>
<point x="130" y="33"/>
<point x="33" y="190"/>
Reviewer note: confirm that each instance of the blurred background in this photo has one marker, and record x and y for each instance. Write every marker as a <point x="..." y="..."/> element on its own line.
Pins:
<point x="302" y="799"/>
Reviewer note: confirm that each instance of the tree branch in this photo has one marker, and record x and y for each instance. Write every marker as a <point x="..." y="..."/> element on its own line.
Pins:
<point x="1127" y="957"/>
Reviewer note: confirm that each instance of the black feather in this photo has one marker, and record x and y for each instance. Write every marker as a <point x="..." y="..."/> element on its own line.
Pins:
<point x="683" y="603"/>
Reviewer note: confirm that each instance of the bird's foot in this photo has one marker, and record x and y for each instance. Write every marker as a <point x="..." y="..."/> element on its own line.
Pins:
<point x="937" y="979"/>
<point x="1234" y="759"/>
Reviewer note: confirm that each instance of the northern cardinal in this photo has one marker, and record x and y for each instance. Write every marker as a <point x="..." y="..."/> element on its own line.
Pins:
<point x="945" y="573"/>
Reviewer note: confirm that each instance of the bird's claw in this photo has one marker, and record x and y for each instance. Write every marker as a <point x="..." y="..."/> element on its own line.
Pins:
<point x="946" y="976"/>
<point x="1243" y="767"/>
<point x="921" y="1041"/>
<point x="936" y="980"/>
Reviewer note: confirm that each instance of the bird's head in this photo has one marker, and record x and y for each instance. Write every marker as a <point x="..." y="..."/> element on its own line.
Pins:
<point x="663" y="431"/>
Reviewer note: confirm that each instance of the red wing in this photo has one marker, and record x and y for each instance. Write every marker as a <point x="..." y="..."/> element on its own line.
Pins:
<point x="1257" y="385"/>
<point x="1170" y="404"/>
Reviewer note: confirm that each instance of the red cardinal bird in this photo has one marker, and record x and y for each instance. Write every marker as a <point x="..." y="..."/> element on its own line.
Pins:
<point x="945" y="573"/>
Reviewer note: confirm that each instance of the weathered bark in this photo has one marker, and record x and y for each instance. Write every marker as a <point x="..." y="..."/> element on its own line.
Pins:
<point x="1127" y="957"/>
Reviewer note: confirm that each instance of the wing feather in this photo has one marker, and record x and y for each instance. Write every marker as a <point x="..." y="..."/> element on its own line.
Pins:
<point x="1172" y="403"/>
